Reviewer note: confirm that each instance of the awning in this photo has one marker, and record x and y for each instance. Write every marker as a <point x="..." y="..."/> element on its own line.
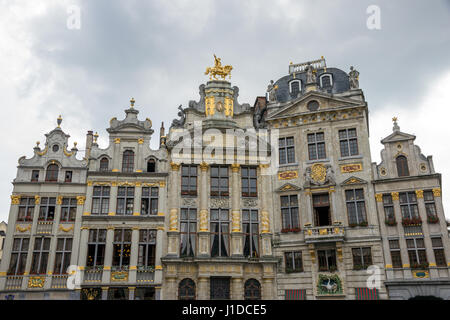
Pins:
<point x="295" y="294"/>
<point x="367" y="294"/>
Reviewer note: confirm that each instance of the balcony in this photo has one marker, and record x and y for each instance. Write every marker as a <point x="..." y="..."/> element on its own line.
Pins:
<point x="145" y="275"/>
<point x="59" y="281"/>
<point x="324" y="234"/>
<point x="93" y="275"/>
<point x="44" y="227"/>
<point x="13" y="282"/>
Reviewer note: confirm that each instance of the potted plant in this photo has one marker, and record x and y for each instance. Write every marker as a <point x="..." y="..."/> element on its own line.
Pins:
<point x="432" y="219"/>
<point x="390" y="222"/>
<point x="358" y="267"/>
<point x="411" y="221"/>
<point x="363" y="224"/>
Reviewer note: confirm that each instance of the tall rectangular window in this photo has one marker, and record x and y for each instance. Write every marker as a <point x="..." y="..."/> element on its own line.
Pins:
<point x="220" y="233"/>
<point x="396" y="257"/>
<point x="429" y="204"/>
<point x="188" y="233"/>
<point x="388" y="207"/>
<point x="47" y="209"/>
<point x="68" y="209"/>
<point x="356" y="208"/>
<point x="189" y="180"/>
<point x="40" y="255"/>
<point x="348" y="142"/>
<point x="327" y="260"/>
<point x="19" y="255"/>
<point x="62" y="255"/>
<point x="68" y="176"/>
<point x="408" y="205"/>
<point x="26" y="209"/>
<point x="439" y="252"/>
<point x="100" y="200"/>
<point x="96" y="248"/>
<point x="362" y="258"/>
<point x="128" y="161"/>
<point x="416" y="252"/>
<point x="121" y="248"/>
<point x="219" y="181"/>
<point x="125" y="201"/>
<point x="147" y="247"/>
<point x="149" y="201"/>
<point x="286" y="150"/>
<point x="251" y="232"/>
<point x="316" y="146"/>
<point x="293" y="261"/>
<point x="289" y="212"/>
<point x="249" y="181"/>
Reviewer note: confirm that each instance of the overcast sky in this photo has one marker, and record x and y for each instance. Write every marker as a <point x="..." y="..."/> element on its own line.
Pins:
<point x="157" y="52"/>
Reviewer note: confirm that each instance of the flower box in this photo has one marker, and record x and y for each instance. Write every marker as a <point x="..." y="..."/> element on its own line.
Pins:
<point x="286" y="230"/>
<point x="390" y="222"/>
<point x="412" y="221"/>
<point x="423" y="265"/>
<point x="432" y="219"/>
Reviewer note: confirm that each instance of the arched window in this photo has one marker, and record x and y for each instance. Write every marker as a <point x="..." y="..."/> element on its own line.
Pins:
<point x="326" y="81"/>
<point x="151" y="165"/>
<point x="402" y="166"/>
<point x="186" y="289"/>
<point x="295" y="86"/>
<point x="128" y="161"/>
<point x="104" y="164"/>
<point x="52" y="173"/>
<point x="252" y="290"/>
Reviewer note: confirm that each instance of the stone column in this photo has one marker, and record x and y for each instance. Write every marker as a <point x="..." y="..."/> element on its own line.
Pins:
<point x="88" y="201"/>
<point x="237" y="288"/>
<point x="137" y="199"/>
<point x="82" y="253"/>
<point x="134" y="255"/>
<point x="266" y="235"/>
<point x="267" y="289"/>
<point x="108" y="255"/>
<point x="8" y="241"/>
<point x="104" y="293"/>
<point x="203" y="230"/>
<point x="236" y="218"/>
<point x="336" y="214"/>
<point x="77" y="235"/>
<point x="53" y="242"/>
<point x="113" y="199"/>
<point x="385" y="243"/>
<point x="442" y="222"/>
<point x="173" y="234"/>
<point x="140" y="166"/>
<point x="171" y="290"/>
<point x="162" y="198"/>
<point x="158" y="294"/>
<point x="202" y="288"/>
<point x="309" y="208"/>
<point x="426" y="235"/>
<point x="158" y="255"/>
<point x="116" y="165"/>
<point x="32" y="239"/>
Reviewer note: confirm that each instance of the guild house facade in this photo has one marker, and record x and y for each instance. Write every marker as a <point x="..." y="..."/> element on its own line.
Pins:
<point x="279" y="200"/>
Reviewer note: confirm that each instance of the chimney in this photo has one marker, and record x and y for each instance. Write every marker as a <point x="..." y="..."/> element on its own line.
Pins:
<point x="89" y="141"/>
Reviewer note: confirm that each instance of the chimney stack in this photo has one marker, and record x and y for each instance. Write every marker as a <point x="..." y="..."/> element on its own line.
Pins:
<point x="89" y="141"/>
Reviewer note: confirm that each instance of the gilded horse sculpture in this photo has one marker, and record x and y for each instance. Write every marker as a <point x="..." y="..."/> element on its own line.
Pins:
<point x="218" y="70"/>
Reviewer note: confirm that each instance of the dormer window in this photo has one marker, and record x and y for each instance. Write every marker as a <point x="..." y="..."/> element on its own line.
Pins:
<point x="295" y="86"/>
<point x="151" y="165"/>
<point x="35" y="175"/>
<point x="104" y="164"/>
<point x="52" y="173"/>
<point x="402" y="166"/>
<point x="326" y="81"/>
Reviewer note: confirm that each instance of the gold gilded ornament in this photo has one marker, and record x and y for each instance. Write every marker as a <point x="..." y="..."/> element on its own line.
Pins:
<point x="218" y="70"/>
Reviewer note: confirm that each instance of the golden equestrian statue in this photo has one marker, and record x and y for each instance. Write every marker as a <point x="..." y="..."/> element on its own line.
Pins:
<point x="218" y="70"/>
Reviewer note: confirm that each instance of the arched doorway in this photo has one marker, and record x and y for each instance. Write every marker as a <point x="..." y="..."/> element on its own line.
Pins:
<point x="252" y="290"/>
<point x="186" y="289"/>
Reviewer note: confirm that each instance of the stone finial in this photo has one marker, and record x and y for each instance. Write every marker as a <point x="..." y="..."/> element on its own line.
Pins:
<point x="58" y="121"/>
<point x="95" y="137"/>
<point x="132" y="101"/>
<point x="396" y="126"/>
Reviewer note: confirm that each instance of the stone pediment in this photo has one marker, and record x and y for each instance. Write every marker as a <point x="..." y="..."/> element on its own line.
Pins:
<point x="299" y="106"/>
<point x="398" y="136"/>
<point x="288" y="187"/>
<point x="353" y="180"/>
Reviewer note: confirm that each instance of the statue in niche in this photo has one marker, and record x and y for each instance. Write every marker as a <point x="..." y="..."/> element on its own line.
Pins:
<point x="310" y="74"/>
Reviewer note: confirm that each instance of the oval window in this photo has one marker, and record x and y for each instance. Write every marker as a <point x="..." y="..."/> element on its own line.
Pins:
<point x="55" y="148"/>
<point x="313" y="105"/>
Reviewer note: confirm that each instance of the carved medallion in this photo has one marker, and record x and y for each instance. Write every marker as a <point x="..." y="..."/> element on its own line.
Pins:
<point x="318" y="172"/>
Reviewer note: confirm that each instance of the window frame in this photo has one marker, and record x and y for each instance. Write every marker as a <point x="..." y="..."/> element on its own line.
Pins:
<point x="102" y="162"/>
<point x="439" y="252"/>
<point x="364" y="260"/>
<point x="415" y="250"/>
<point x="219" y="190"/>
<point x="22" y="255"/>
<point x="249" y="191"/>
<point x="42" y="254"/>
<point x="397" y="261"/>
<point x="286" y="152"/>
<point x="64" y="257"/>
<point x="409" y="204"/>
<point x="103" y="200"/>
<point x="291" y="261"/>
<point x="189" y="190"/>
<point x="401" y="163"/>
<point x="128" y="161"/>
<point x="45" y="204"/>
<point x="68" y="203"/>
<point x="361" y="217"/>
<point x="249" y="225"/>
<point x="150" y="198"/>
<point x="125" y="244"/>
<point x="29" y="206"/>
<point x="96" y="243"/>
<point x="147" y="248"/>
<point x="127" y="199"/>
<point x="187" y="224"/>
<point x="220" y="234"/>
<point x="52" y="175"/>
<point x="347" y="141"/>
<point x="313" y="145"/>
<point x="327" y="256"/>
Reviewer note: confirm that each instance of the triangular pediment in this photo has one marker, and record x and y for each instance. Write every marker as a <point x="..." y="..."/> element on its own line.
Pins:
<point x="298" y="106"/>
<point x="398" y="136"/>
<point x="353" y="180"/>
<point x="288" y="187"/>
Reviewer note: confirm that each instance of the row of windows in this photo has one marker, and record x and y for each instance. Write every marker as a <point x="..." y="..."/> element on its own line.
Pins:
<point x="219" y="176"/>
<point x="219" y="289"/>
<point x="127" y="163"/>
<point x="355" y="203"/>
<point x="95" y="254"/>
<point x="362" y="259"/>
<point x="348" y="143"/>
<point x="47" y="209"/>
<point x="417" y="253"/>
<point x="325" y="81"/>
<point x="51" y="174"/>
<point x="408" y="205"/>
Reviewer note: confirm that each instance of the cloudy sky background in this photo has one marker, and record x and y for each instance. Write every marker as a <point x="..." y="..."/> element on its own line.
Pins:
<point x="157" y="51"/>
